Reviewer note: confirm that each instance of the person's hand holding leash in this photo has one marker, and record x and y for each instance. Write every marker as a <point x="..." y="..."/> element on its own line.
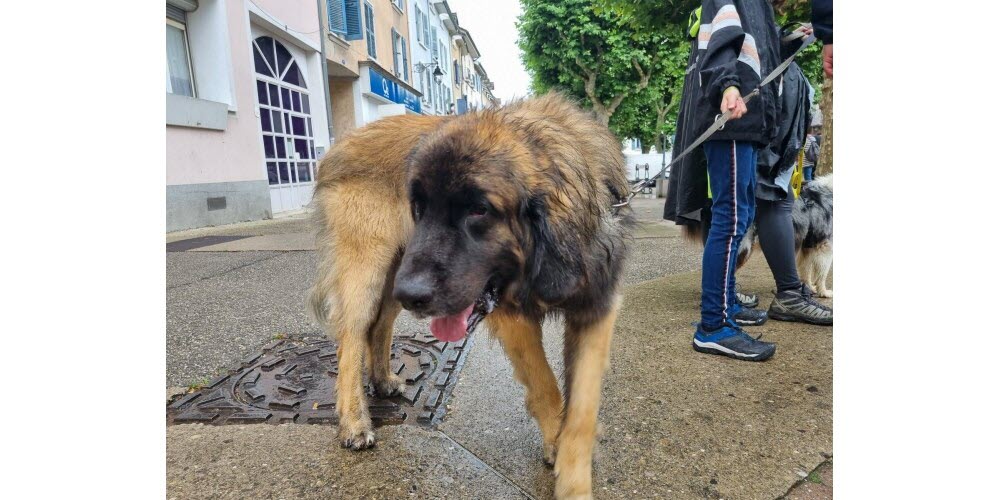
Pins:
<point x="733" y="101"/>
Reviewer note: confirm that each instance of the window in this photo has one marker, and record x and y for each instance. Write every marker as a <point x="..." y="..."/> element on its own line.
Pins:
<point x="345" y="18"/>
<point x="400" y="65"/>
<point x="396" y="59"/>
<point x="433" y="40"/>
<point x="179" y="75"/>
<point x="285" y="114"/>
<point x="420" y="27"/>
<point x="370" y="30"/>
<point x="406" y="63"/>
<point x="458" y="72"/>
<point x="398" y="4"/>
<point x="427" y="33"/>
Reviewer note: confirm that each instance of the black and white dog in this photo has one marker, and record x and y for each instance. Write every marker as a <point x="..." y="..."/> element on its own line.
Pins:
<point x="812" y="217"/>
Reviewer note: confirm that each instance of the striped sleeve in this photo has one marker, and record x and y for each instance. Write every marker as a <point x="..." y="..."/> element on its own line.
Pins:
<point x="723" y="39"/>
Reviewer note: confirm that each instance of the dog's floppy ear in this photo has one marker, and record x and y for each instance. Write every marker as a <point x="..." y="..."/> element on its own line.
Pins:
<point x="553" y="267"/>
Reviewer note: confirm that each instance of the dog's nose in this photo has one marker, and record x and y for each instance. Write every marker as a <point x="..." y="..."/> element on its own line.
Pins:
<point x="414" y="293"/>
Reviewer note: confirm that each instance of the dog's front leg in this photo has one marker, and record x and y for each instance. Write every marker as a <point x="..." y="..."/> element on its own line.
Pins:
<point x="522" y="341"/>
<point x="587" y="353"/>
<point x="355" y="315"/>
<point x="355" y="424"/>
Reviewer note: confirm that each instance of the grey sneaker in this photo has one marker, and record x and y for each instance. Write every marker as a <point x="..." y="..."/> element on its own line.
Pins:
<point x="746" y="299"/>
<point x="798" y="305"/>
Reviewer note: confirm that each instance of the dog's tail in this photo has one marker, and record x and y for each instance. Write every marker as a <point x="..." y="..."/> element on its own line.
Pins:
<point x="693" y="233"/>
<point x="320" y="296"/>
<point x="318" y="305"/>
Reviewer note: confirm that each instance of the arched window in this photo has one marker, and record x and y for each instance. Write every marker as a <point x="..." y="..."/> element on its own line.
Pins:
<point x="285" y="122"/>
<point x="271" y="58"/>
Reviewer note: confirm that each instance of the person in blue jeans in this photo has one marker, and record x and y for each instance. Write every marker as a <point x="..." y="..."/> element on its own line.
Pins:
<point x="738" y="45"/>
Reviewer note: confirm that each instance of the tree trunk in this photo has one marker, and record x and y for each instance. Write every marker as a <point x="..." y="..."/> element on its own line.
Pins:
<point x="824" y="164"/>
<point x="602" y="115"/>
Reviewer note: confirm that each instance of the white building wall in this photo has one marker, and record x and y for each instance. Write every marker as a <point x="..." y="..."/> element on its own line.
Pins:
<point x="437" y="98"/>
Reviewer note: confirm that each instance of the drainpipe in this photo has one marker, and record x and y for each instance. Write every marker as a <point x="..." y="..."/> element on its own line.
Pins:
<point x="326" y="73"/>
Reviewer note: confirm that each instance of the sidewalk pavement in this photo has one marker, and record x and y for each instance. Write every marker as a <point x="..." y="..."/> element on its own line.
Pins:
<point x="676" y="424"/>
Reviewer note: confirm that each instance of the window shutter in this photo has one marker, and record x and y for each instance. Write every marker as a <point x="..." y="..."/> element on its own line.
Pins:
<point x="352" y="19"/>
<point x="337" y="15"/>
<point x="434" y="42"/>
<point x="427" y="33"/>
<point x="406" y="63"/>
<point x="176" y="13"/>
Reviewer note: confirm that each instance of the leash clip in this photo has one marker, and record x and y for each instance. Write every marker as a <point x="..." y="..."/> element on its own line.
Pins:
<point x="717" y="117"/>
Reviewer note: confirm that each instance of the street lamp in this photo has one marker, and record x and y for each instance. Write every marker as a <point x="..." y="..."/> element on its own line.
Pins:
<point x="437" y="70"/>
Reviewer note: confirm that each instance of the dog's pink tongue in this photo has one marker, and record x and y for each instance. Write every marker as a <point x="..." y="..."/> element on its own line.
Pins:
<point x="451" y="328"/>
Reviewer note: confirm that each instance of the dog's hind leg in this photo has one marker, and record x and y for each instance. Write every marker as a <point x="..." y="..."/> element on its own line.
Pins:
<point x="357" y="255"/>
<point x="522" y="341"/>
<point x="822" y="262"/>
<point x="383" y="380"/>
<point x="587" y="351"/>
<point x="805" y="266"/>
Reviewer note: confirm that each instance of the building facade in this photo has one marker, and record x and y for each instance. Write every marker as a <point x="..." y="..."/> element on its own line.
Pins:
<point x="258" y="90"/>
<point x="245" y="106"/>
<point x="368" y="48"/>
<point x="432" y="56"/>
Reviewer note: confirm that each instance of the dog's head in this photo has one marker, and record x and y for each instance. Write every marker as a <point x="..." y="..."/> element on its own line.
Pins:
<point x="481" y="235"/>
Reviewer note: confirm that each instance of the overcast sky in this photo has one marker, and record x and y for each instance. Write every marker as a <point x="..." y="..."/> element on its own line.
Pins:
<point x="492" y="26"/>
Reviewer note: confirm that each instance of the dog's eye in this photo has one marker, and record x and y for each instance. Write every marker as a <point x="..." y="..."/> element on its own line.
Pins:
<point x="479" y="210"/>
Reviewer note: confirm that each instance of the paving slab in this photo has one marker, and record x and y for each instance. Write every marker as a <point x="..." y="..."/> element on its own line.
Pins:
<point x="213" y="323"/>
<point x="676" y="423"/>
<point x="284" y="242"/>
<point x="184" y="268"/>
<point x="297" y="222"/>
<point x="305" y="462"/>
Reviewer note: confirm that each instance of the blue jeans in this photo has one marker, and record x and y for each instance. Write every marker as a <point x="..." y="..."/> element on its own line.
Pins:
<point x="732" y="167"/>
<point x="807" y="174"/>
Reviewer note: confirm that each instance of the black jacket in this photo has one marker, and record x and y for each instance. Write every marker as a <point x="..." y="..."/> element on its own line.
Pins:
<point x="738" y="45"/>
<point x="687" y="186"/>
<point x="775" y="160"/>
<point x="822" y="19"/>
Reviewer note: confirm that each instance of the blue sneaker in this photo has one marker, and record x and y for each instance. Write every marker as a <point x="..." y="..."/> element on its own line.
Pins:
<point x="733" y="342"/>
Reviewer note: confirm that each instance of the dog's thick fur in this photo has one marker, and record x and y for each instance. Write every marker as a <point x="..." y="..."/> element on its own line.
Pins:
<point x="812" y="219"/>
<point x="517" y="198"/>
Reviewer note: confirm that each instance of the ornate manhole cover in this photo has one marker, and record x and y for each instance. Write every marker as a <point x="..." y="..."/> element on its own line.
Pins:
<point x="293" y="380"/>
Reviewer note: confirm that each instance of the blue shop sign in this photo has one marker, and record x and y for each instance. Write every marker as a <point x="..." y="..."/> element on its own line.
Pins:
<point x="382" y="86"/>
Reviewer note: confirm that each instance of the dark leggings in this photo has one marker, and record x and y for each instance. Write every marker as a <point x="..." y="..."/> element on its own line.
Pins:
<point x="776" y="235"/>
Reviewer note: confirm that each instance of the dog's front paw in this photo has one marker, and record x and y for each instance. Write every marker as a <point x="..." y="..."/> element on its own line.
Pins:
<point x="357" y="440"/>
<point x="572" y="477"/>
<point x="390" y="386"/>
<point x="826" y="294"/>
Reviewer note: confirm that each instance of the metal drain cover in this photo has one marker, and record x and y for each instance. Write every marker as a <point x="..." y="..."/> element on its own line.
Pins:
<point x="293" y="380"/>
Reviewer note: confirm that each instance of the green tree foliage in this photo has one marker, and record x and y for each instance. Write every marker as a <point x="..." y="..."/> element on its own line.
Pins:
<point x="664" y="15"/>
<point x="651" y="114"/>
<point x="569" y="45"/>
<point x="625" y="59"/>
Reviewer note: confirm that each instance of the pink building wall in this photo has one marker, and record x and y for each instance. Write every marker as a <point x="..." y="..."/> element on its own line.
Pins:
<point x="196" y="156"/>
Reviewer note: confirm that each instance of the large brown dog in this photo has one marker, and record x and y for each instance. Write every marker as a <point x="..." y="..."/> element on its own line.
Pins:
<point x="500" y="214"/>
